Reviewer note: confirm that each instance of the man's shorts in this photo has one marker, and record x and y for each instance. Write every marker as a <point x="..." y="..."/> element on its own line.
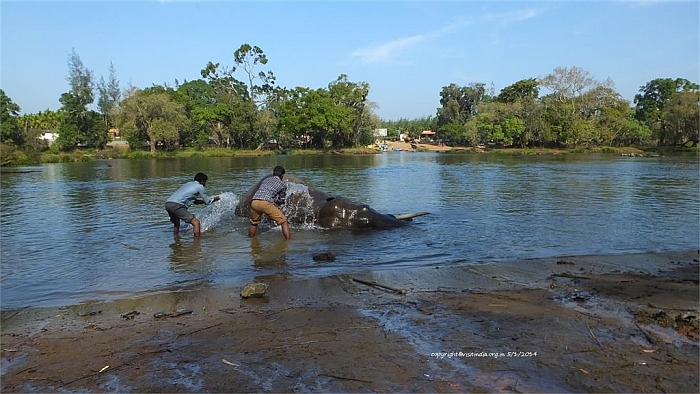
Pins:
<point x="178" y="212"/>
<point x="260" y="207"/>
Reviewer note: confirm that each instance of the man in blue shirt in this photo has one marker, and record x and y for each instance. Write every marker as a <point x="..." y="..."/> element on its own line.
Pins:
<point x="267" y="200"/>
<point x="183" y="198"/>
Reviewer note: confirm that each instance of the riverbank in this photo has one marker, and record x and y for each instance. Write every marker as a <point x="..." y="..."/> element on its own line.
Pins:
<point x="14" y="157"/>
<point x="612" y="323"/>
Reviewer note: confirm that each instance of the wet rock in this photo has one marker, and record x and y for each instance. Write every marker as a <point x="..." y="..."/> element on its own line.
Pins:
<point x="179" y="312"/>
<point x="91" y="313"/>
<point x="130" y="315"/>
<point x="254" y="290"/>
<point x="325" y="256"/>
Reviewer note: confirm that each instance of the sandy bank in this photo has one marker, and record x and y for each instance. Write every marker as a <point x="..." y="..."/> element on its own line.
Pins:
<point x="622" y="323"/>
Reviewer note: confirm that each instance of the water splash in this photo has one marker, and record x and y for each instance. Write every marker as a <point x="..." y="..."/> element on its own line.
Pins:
<point x="298" y="206"/>
<point x="222" y="209"/>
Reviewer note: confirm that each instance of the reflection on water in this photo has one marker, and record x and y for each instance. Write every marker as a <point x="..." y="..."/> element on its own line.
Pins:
<point x="271" y="254"/>
<point x="185" y="254"/>
<point x="88" y="231"/>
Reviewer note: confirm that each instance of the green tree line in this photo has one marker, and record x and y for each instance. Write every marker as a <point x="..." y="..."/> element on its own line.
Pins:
<point x="241" y="107"/>
<point x="576" y="111"/>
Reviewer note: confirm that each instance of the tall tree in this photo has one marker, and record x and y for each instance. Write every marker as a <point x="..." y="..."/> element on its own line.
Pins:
<point x="248" y="58"/>
<point x="80" y="79"/>
<point x="354" y="97"/>
<point x="9" y="126"/>
<point x="109" y="94"/>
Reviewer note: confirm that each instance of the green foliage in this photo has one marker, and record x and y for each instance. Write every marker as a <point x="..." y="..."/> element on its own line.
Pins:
<point x="80" y="127"/>
<point x="680" y="118"/>
<point x="323" y="118"/>
<point x="412" y="127"/>
<point x="248" y="58"/>
<point x="459" y="103"/>
<point x="653" y="98"/>
<point x="526" y="89"/>
<point x="9" y="125"/>
<point x="247" y="114"/>
<point x="152" y="117"/>
<point x="67" y="157"/>
<point x="12" y="155"/>
<point x="80" y="79"/>
<point x="42" y="120"/>
<point x="109" y="95"/>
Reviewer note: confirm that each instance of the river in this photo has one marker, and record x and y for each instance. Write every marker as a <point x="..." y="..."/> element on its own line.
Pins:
<point x="79" y="232"/>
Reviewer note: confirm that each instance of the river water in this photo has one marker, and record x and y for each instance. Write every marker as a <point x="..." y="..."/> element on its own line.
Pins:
<point x="79" y="232"/>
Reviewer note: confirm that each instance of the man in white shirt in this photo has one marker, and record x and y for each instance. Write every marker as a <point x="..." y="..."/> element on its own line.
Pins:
<point x="183" y="198"/>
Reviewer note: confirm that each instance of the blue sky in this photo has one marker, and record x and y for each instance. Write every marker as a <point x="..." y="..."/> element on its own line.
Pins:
<point x="406" y="51"/>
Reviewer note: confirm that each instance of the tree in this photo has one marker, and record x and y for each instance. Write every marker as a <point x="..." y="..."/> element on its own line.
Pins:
<point x="574" y="103"/>
<point x="653" y="98"/>
<point x="152" y="118"/>
<point x="352" y="96"/>
<point x="526" y="89"/>
<point x="208" y="116"/>
<point x="10" y="131"/>
<point x="248" y="57"/>
<point x="459" y="103"/>
<point x="237" y="112"/>
<point x="42" y="120"/>
<point x="680" y="118"/>
<point x="80" y="79"/>
<point x="80" y="127"/>
<point x="109" y="94"/>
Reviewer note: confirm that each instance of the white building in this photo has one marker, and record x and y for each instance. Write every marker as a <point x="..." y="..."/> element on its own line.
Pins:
<point x="48" y="136"/>
<point x="380" y="133"/>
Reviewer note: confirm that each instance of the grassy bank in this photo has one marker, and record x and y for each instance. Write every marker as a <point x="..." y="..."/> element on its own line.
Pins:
<point x="15" y="157"/>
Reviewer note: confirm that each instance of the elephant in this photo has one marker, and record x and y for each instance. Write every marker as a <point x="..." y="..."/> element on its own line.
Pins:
<point x="327" y="211"/>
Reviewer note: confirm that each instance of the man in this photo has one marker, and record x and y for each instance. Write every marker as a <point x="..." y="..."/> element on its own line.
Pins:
<point x="267" y="200"/>
<point x="183" y="198"/>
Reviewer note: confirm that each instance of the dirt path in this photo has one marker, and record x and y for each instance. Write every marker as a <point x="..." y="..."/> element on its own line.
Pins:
<point x="574" y="324"/>
<point x="405" y="146"/>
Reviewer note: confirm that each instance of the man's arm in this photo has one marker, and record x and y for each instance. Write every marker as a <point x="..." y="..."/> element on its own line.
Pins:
<point x="204" y="198"/>
<point x="281" y="195"/>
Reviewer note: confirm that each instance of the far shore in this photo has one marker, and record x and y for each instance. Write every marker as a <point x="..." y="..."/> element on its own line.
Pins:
<point x="18" y="158"/>
<point x="602" y="323"/>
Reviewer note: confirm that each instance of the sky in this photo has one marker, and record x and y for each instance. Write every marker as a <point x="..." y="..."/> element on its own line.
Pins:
<point x="406" y="51"/>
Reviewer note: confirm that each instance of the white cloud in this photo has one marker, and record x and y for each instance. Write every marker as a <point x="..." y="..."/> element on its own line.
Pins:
<point x="384" y="53"/>
<point x="389" y="51"/>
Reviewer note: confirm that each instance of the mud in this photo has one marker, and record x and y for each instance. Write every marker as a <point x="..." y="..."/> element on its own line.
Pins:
<point x="623" y="323"/>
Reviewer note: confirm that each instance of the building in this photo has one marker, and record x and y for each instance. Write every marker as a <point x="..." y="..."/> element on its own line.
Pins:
<point x="429" y="134"/>
<point x="48" y="137"/>
<point x="380" y="133"/>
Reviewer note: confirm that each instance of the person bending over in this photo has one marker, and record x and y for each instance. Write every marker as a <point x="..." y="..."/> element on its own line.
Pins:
<point x="193" y="192"/>
<point x="267" y="200"/>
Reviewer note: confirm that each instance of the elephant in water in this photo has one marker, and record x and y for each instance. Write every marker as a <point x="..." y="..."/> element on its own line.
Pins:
<point x="322" y="209"/>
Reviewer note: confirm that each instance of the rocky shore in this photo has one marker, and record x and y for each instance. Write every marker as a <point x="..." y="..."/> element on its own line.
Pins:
<point x="612" y="323"/>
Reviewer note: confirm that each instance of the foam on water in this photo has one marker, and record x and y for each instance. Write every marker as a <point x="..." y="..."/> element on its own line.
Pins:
<point x="222" y="209"/>
<point x="299" y="205"/>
